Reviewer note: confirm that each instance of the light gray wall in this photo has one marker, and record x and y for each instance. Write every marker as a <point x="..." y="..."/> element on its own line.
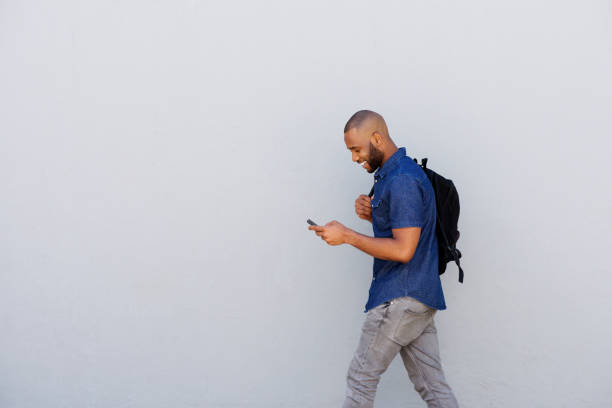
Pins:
<point x="158" y="160"/>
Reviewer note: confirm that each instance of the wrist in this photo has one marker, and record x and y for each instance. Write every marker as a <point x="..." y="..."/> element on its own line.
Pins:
<point x="349" y="236"/>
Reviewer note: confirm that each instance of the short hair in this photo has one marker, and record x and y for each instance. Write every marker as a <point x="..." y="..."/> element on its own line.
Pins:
<point x="359" y="118"/>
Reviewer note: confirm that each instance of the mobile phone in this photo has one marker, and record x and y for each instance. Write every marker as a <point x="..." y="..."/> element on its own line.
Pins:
<point x="311" y="222"/>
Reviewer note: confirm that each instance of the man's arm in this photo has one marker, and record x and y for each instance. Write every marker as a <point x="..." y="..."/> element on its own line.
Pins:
<point x="406" y="215"/>
<point x="400" y="248"/>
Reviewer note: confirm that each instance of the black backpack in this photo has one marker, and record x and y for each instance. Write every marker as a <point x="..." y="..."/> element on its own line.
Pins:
<point x="447" y="215"/>
<point x="447" y="208"/>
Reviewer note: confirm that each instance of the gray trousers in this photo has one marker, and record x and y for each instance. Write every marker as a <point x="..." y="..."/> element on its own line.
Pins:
<point x="406" y="326"/>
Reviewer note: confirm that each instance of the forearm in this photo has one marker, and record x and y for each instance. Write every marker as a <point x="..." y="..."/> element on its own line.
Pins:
<point x="383" y="248"/>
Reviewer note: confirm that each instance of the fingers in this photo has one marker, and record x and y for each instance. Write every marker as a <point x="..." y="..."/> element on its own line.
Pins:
<point x="364" y="199"/>
<point x="319" y="230"/>
<point x="363" y="208"/>
<point x="364" y="216"/>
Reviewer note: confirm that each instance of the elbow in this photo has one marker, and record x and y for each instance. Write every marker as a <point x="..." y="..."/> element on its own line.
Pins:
<point x="405" y="256"/>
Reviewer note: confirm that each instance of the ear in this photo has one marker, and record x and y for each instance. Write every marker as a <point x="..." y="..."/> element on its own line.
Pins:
<point x="378" y="139"/>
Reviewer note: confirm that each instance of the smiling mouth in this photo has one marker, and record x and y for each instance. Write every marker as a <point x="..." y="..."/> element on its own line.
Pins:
<point x="363" y="163"/>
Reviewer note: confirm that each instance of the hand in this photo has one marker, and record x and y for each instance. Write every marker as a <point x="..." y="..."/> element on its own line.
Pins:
<point x="363" y="207"/>
<point x="333" y="232"/>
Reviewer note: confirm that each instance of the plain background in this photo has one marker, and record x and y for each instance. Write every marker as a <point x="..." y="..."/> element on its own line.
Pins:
<point x="158" y="161"/>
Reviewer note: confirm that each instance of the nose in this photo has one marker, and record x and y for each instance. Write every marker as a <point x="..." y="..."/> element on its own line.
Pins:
<point x="355" y="157"/>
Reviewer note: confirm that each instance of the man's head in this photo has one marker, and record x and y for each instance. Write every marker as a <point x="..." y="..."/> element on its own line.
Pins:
<point x="367" y="137"/>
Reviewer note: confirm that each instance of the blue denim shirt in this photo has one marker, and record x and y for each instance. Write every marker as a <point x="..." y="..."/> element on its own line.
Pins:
<point x="403" y="197"/>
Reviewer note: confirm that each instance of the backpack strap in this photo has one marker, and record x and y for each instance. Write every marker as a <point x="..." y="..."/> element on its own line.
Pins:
<point x="456" y="255"/>
<point x="423" y="162"/>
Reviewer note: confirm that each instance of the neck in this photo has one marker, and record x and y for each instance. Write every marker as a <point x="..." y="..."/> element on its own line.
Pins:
<point x="388" y="152"/>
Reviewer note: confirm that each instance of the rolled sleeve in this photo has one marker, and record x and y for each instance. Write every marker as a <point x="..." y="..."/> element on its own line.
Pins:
<point x="406" y="207"/>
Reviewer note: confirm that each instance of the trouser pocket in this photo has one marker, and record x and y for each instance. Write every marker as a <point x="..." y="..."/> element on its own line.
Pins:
<point x="412" y="318"/>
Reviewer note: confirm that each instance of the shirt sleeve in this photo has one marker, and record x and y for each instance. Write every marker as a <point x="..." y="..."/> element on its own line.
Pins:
<point x="406" y="208"/>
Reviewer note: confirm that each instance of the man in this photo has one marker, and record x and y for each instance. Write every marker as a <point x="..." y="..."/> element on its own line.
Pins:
<point x="405" y="292"/>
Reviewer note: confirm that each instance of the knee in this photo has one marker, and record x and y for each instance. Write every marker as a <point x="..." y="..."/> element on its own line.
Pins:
<point x="437" y="394"/>
<point x="361" y="386"/>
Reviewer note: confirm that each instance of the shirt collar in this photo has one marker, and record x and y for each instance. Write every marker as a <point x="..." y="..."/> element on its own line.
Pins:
<point x="390" y="163"/>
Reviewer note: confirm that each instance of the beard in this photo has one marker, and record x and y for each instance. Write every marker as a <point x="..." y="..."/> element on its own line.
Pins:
<point x="375" y="159"/>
